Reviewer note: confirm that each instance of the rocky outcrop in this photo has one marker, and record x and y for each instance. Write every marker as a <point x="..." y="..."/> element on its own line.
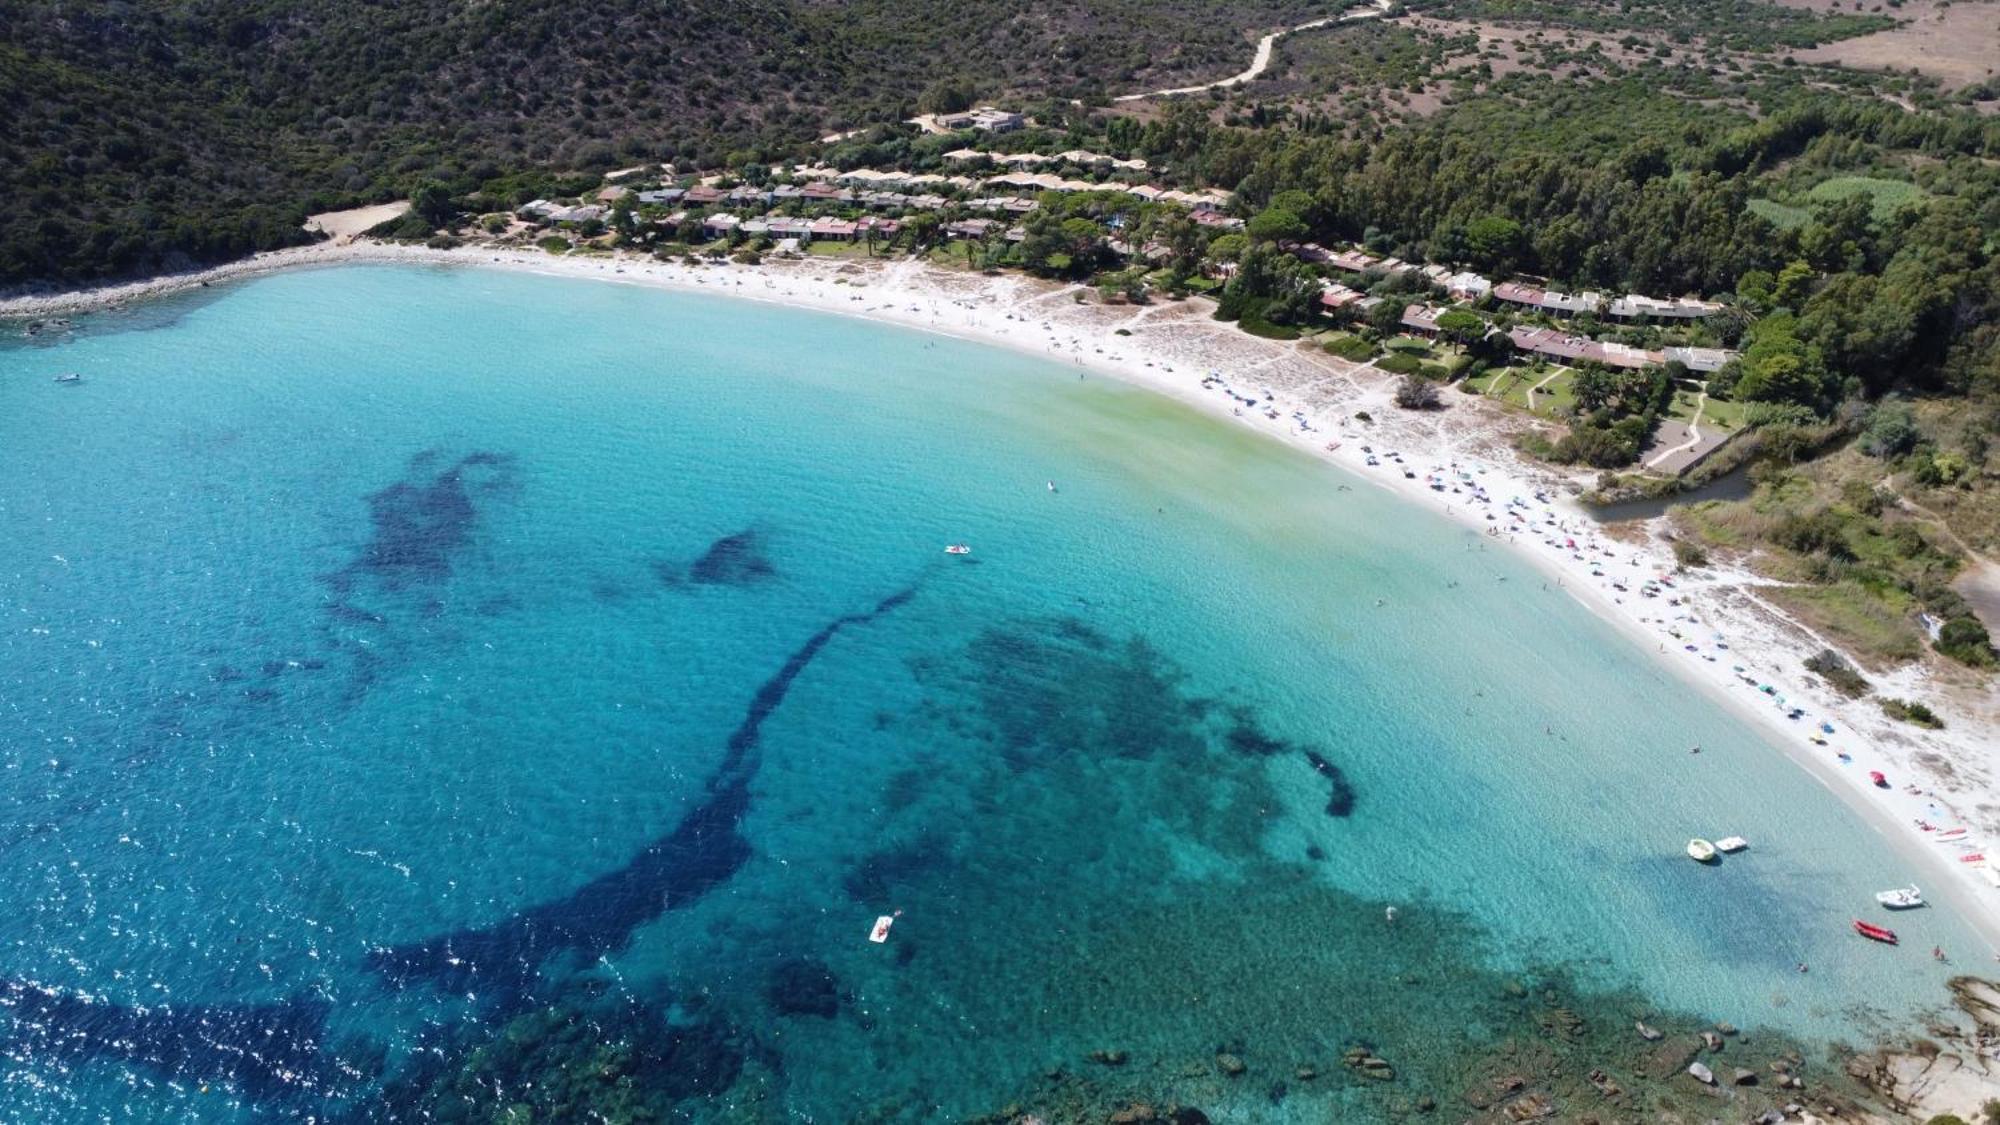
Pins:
<point x="1367" y="1064"/>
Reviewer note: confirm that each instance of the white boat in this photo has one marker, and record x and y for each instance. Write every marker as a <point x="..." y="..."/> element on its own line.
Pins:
<point x="1702" y="1074"/>
<point x="69" y="377"/>
<point x="958" y="549"/>
<point x="880" y="933"/>
<point x="1901" y="899"/>
<point x="1701" y="851"/>
<point x="1731" y="844"/>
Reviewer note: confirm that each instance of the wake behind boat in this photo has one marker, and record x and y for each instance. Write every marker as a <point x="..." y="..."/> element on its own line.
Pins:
<point x="1903" y="898"/>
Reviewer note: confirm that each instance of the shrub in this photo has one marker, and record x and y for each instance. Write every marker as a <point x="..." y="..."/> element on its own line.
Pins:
<point x="1689" y="555"/>
<point x="1598" y="448"/>
<point x="1819" y="533"/>
<point x="1891" y="430"/>
<point x="1912" y="712"/>
<point x="1416" y="393"/>
<point x="1965" y="640"/>
<point x="1832" y="667"/>
<point x="1399" y="364"/>
<point x="553" y="243"/>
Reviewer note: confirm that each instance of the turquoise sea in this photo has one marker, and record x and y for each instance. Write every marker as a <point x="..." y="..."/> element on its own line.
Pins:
<point x="462" y="695"/>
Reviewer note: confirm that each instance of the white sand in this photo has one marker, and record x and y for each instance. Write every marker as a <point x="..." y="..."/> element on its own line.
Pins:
<point x="1942" y="778"/>
<point x="344" y="226"/>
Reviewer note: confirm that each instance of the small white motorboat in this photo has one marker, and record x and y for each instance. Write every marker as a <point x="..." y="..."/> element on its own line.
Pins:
<point x="1701" y="851"/>
<point x="69" y="377"/>
<point x="880" y="933"/>
<point x="958" y="549"/>
<point x="1731" y="844"/>
<point x="1901" y="899"/>
<point x="1702" y="1074"/>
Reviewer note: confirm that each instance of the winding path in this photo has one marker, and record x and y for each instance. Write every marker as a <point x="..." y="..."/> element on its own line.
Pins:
<point x="1694" y="433"/>
<point x="1262" y="60"/>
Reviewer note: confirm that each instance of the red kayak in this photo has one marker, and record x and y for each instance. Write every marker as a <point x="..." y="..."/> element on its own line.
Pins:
<point x="1873" y="932"/>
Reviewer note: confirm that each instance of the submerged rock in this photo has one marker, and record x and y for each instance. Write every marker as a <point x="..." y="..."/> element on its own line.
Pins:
<point x="1230" y="1064"/>
<point x="1108" y="1058"/>
<point x="1368" y="1064"/>
<point x="804" y="988"/>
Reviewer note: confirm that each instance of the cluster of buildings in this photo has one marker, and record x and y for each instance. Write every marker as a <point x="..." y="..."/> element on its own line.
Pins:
<point x="564" y="213"/>
<point x="882" y="191"/>
<point x="1631" y="306"/>
<point x="1030" y="159"/>
<point x="985" y="118"/>
<point x="1565" y="347"/>
<point x="780" y="228"/>
<point x="1551" y="343"/>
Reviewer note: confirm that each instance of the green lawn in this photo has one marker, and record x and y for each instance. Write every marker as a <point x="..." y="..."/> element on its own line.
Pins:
<point x="1551" y="400"/>
<point x="1888" y="195"/>
<point x="1778" y="214"/>
<point x="1722" y="415"/>
<point x="1496" y="381"/>
<point x="1510" y="385"/>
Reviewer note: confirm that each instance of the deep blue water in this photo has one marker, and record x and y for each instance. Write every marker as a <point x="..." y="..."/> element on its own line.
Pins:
<point x="416" y="684"/>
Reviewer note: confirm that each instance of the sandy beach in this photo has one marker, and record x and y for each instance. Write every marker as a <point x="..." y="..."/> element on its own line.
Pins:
<point x="1709" y="625"/>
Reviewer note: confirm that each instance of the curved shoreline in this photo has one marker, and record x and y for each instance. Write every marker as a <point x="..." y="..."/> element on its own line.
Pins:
<point x="1168" y="348"/>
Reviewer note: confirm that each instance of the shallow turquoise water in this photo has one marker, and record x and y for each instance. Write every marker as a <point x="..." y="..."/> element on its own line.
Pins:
<point x="388" y="653"/>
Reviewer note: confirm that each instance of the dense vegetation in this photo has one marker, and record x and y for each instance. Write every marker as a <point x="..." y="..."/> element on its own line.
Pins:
<point x="145" y="137"/>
